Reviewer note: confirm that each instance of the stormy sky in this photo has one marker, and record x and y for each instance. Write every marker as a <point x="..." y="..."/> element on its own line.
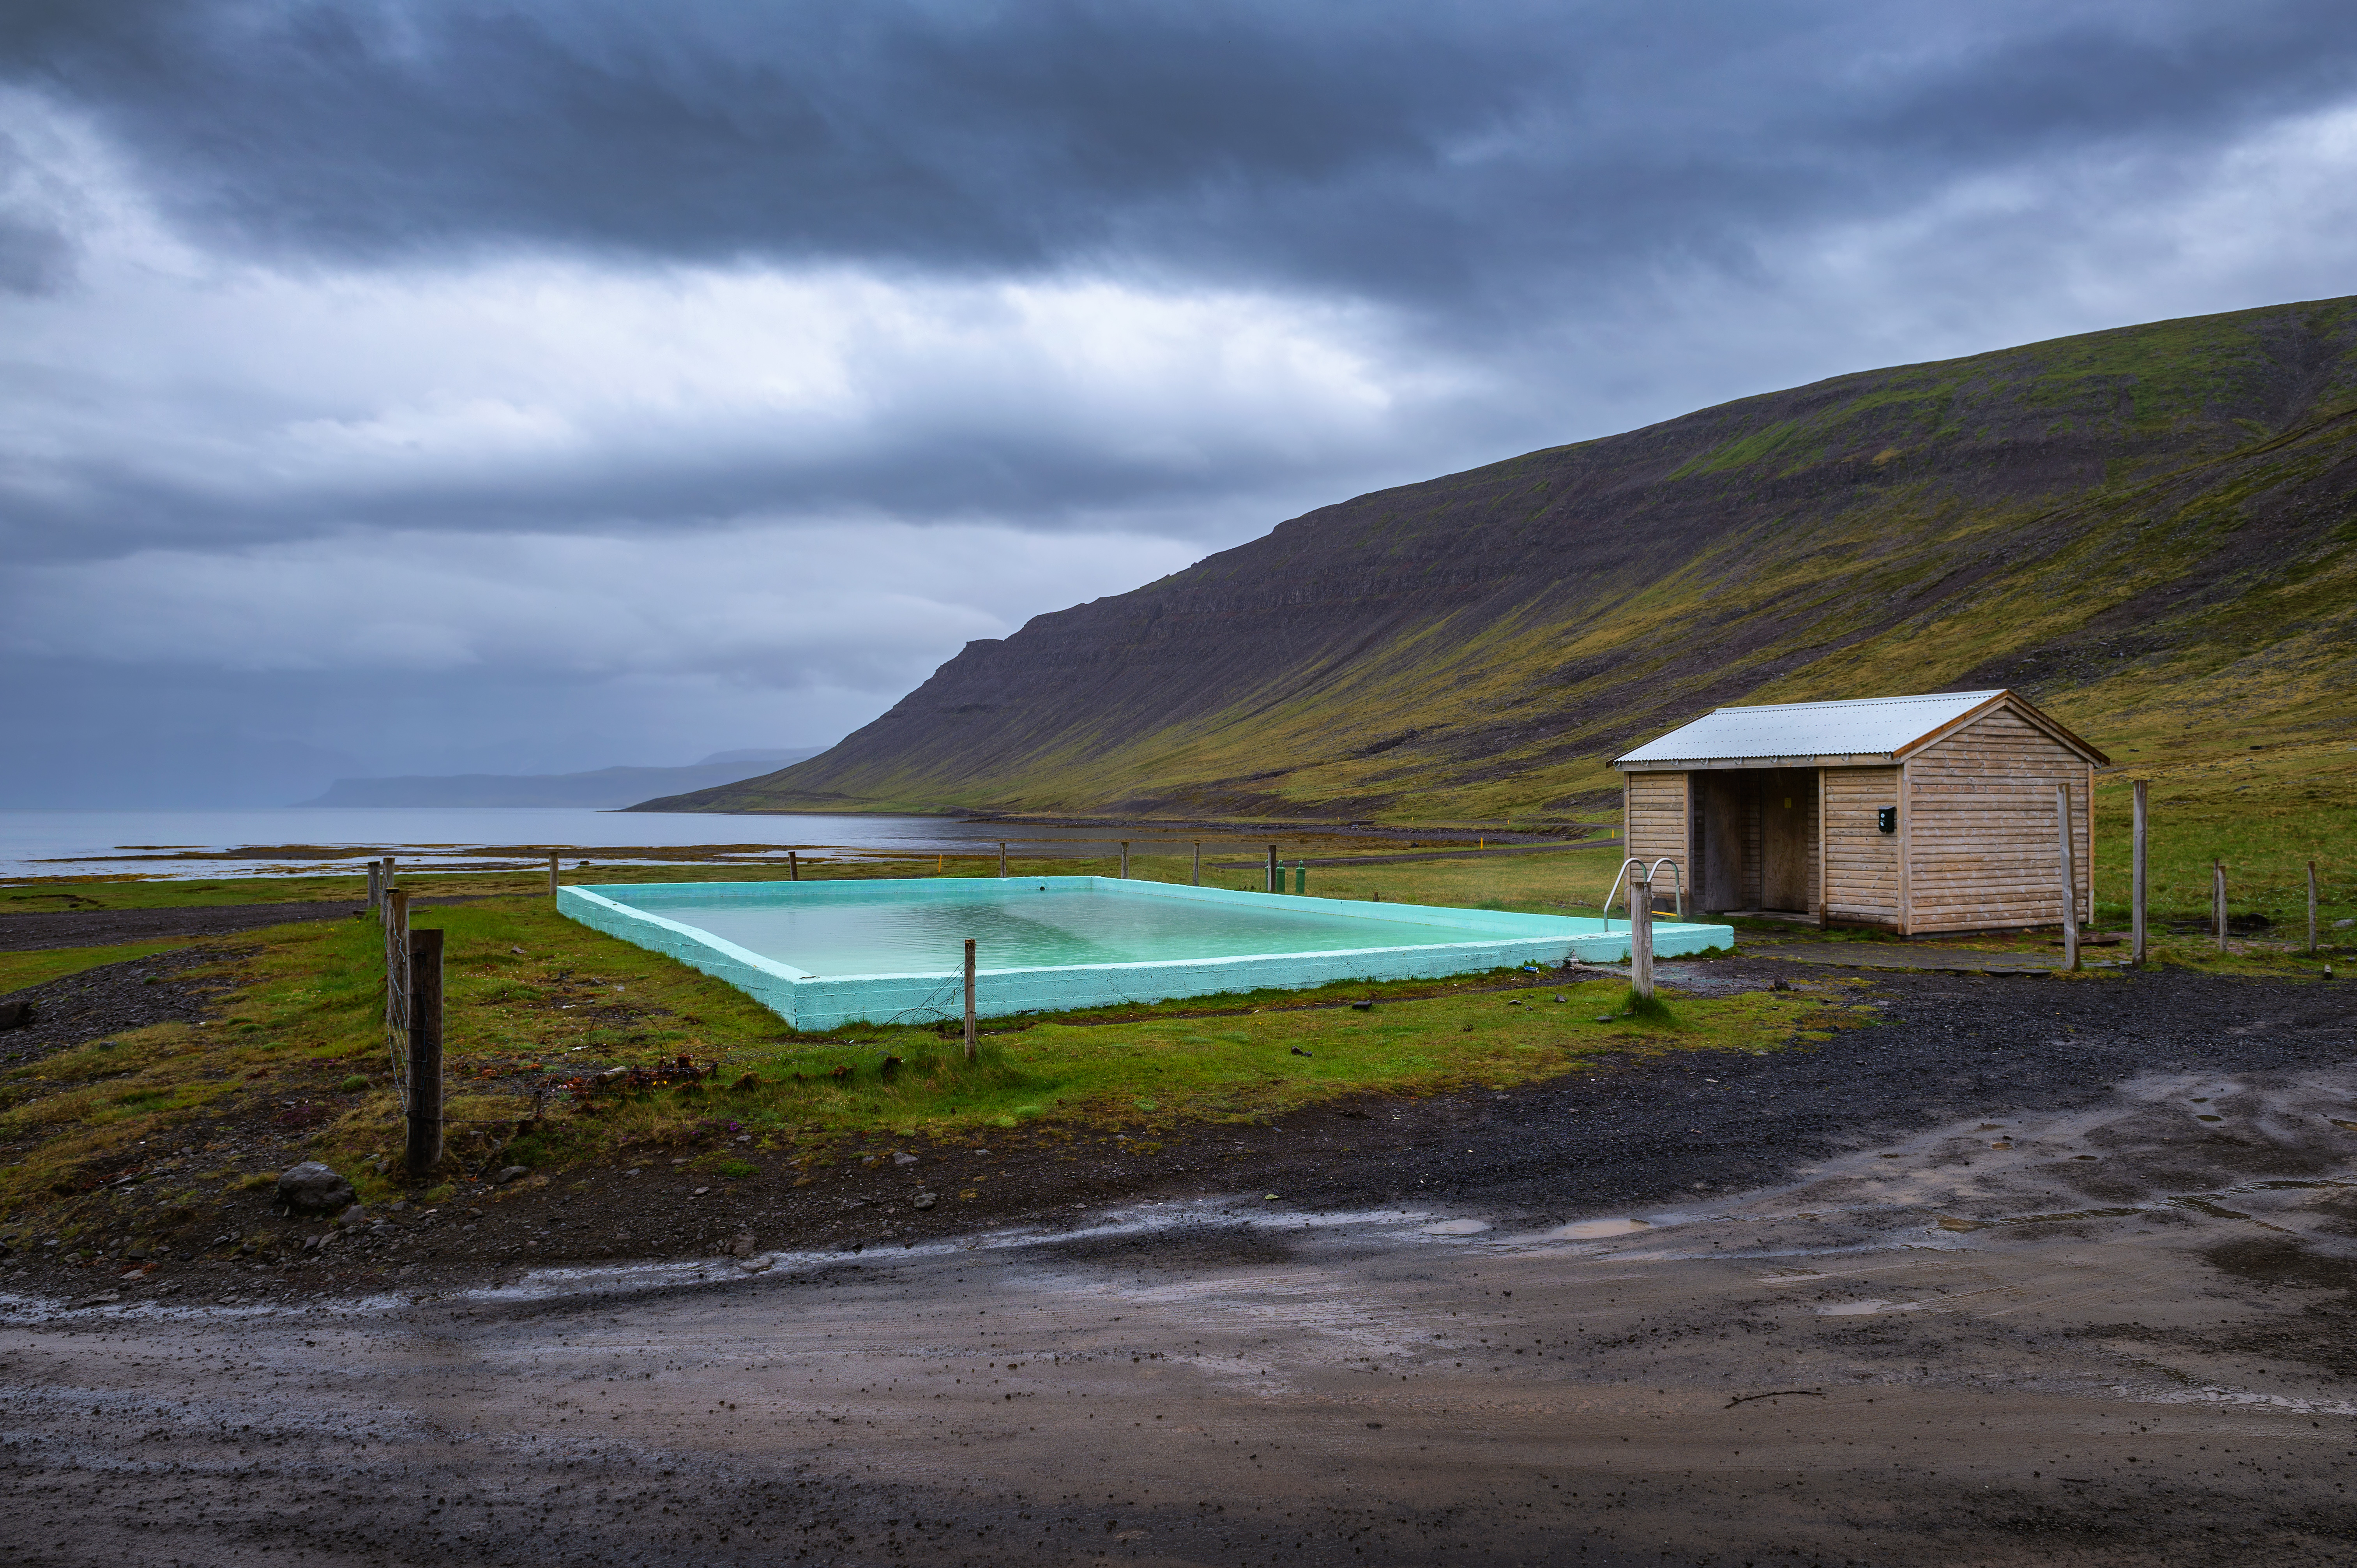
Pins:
<point x="482" y="385"/>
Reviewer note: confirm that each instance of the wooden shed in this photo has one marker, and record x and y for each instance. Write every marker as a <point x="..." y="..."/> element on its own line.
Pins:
<point x="1923" y="815"/>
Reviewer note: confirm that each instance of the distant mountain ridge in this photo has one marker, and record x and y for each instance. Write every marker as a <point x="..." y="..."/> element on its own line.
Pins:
<point x="2131" y="526"/>
<point x="606" y="786"/>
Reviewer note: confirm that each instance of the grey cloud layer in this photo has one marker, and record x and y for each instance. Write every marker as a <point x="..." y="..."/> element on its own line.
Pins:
<point x="695" y="375"/>
<point x="1442" y="155"/>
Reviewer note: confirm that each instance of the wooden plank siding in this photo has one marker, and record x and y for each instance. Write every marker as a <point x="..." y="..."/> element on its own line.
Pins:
<point x="1862" y="861"/>
<point x="1980" y="827"/>
<point x="1657" y="813"/>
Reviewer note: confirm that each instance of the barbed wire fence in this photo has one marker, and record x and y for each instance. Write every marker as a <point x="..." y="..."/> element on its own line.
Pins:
<point x="393" y="913"/>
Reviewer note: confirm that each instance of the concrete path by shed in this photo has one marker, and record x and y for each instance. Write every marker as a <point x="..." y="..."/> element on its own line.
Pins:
<point x="1892" y="956"/>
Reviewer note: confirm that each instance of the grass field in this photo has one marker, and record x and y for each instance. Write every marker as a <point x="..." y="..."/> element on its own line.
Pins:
<point x="296" y="1059"/>
<point x="296" y="1062"/>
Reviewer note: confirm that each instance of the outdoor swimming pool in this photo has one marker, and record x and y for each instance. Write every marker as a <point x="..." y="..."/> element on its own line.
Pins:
<point x="821" y="954"/>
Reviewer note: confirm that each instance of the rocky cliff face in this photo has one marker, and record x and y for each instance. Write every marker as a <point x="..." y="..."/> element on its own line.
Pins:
<point x="2107" y="521"/>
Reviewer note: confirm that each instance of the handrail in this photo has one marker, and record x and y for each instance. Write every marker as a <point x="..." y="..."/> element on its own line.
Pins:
<point x="1616" y="888"/>
<point x="1679" y="873"/>
<point x="1675" y="870"/>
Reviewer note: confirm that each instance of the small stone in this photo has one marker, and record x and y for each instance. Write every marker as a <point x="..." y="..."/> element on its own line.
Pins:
<point x="902" y="1157"/>
<point x="2341" y="925"/>
<point x="2058" y="835"/>
<point x="357" y="1214"/>
<point x="511" y="1173"/>
<point x="924" y="1200"/>
<point x="1607" y="1017"/>
<point x="1299" y="1052"/>
<point x="102" y="1299"/>
<point x="17" y="1014"/>
<point x="742" y="1247"/>
<point x="756" y="1265"/>
<point x="314" y="1189"/>
<point x="517" y="952"/>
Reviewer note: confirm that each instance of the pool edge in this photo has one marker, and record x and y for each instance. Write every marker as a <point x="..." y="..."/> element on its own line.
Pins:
<point x="811" y="1002"/>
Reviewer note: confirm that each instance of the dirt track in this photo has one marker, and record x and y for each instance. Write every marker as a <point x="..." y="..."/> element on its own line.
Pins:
<point x="2036" y="1307"/>
<point x="42" y="930"/>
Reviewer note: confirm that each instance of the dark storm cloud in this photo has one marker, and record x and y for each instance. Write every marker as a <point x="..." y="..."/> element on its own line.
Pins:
<point x="695" y="375"/>
<point x="1427" y="153"/>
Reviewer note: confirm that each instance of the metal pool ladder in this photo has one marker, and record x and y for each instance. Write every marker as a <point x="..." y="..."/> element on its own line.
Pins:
<point x="1677" y="880"/>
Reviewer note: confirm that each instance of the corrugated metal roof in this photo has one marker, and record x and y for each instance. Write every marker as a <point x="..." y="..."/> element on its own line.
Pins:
<point x="1869" y="725"/>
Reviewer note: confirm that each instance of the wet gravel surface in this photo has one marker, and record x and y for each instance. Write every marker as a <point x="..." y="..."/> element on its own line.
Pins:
<point x="2015" y="1272"/>
<point x="2112" y="1336"/>
<point x="92" y="1004"/>
<point x="1624" y="1130"/>
<point x="1939" y="1047"/>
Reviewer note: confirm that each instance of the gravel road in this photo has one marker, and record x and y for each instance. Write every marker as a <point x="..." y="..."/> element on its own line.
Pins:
<point x="2028" y="1271"/>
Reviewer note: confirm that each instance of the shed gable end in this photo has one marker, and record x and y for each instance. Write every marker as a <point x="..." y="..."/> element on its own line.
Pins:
<point x="1982" y="845"/>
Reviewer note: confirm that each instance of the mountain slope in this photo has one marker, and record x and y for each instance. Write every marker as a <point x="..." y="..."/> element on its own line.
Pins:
<point x="2133" y="526"/>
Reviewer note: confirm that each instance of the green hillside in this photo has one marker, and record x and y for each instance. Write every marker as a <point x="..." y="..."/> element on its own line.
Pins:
<point x="2149" y="531"/>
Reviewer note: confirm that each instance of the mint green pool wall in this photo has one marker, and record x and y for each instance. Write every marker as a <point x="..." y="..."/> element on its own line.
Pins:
<point x="1466" y="941"/>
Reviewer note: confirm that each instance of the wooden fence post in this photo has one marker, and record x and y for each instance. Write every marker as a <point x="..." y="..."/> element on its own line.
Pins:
<point x="1641" y="937"/>
<point x="2137" y="887"/>
<point x="793" y="867"/>
<point x="552" y="877"/>
<point x="969" y="999"/>
<point x="375" y="886"/>
<point x="2218" y="899"/>
<point x="1198" y="863"/>
<point x="2311" y="908"/>
<point x="1125" y="860"/>
<point x="1273" y="873"/>
<point x="1002" y="857"/>
<point x="425" y="1050"/>
<point x="2070" y="878"/>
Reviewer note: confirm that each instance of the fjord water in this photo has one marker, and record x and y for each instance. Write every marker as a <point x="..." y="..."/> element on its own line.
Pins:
<point x="227" y="841"/>
<point x="1028" y="926"/>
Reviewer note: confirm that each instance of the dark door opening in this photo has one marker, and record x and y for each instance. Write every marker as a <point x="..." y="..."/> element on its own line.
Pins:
<point x="1755" y="835"/>
<point x="1788" y="837"/>
<point x="1722" y="825"/>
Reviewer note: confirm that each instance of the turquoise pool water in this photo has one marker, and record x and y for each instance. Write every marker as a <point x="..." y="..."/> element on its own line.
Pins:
<point x="1031" y="929"/>
<point x="887" y="951"/>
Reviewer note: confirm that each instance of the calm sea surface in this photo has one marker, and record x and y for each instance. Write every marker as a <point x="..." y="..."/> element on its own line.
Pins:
<point x="278" y="841"/>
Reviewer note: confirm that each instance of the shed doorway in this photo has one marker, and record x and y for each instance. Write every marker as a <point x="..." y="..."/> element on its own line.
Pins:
<point x="1755" y="834"/>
